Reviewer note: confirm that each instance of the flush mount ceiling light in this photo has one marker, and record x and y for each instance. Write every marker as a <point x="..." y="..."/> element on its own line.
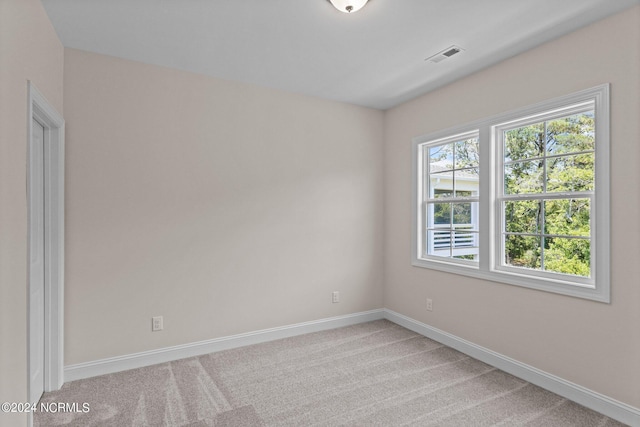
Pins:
<point x="348" y="6"/>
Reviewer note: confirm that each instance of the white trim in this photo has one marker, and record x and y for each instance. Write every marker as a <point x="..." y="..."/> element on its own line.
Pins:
<point x="168" y="354"/>
<point x="598" y="402"/>
<point x="39" y="108"/>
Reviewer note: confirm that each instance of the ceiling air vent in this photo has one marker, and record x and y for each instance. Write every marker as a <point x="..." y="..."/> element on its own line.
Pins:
<point x="444" y="54"/>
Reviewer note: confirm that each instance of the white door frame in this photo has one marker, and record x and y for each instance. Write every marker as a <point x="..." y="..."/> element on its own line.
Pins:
<point x="40" y="109"/>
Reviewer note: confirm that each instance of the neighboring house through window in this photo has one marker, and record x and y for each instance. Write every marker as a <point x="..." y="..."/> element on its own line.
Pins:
<point x="452" y="186"/>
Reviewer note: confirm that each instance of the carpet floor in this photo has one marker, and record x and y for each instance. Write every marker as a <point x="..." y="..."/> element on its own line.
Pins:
<point x="371" y="374"/>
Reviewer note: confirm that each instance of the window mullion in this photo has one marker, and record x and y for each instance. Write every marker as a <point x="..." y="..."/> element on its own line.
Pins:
<point x="486" y="213"/>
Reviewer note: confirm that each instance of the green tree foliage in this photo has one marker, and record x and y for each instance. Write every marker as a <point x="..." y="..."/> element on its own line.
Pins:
<point x="553" y="156"/>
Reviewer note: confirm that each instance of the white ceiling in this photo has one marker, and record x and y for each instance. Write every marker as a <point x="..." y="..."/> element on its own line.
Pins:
<point x="375" y="57"/>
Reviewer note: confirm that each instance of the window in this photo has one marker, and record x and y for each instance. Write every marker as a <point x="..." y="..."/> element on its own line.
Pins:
<point x="547" y="190"/>
<point x="451" y="181"/>
<point x="521" y="198"/>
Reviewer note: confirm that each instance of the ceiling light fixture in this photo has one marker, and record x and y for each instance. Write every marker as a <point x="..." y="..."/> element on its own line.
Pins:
<point x="348" y="6"/>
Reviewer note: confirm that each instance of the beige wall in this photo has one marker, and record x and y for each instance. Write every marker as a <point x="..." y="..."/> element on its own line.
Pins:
<point x="229" y="208"/>
<point x="224" y="207"/>
<point x="29" y="50"/>
<point x="592" y="344"/>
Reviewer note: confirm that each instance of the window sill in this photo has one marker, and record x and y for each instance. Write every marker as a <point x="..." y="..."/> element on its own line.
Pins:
<point x="577" y="290"/>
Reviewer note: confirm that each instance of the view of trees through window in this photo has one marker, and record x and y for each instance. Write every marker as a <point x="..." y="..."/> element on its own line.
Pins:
<point x="548" y="193"/>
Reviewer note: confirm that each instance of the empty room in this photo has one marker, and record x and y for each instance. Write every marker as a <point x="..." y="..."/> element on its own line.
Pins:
<point x="319" y="212"/>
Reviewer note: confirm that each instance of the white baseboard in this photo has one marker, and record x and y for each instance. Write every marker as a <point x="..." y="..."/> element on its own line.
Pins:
<point x="168" y="354"/>
<point x="598" y="402"/>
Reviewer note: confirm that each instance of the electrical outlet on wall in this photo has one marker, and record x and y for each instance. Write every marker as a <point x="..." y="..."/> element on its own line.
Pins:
<point x="157" y="324"/>
<point x="429" y="304"/>
<point x="335" y="297"/>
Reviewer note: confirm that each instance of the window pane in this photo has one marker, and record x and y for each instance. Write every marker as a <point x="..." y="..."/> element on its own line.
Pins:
<point x="571" y="134"/>
<point x="442" y="214"/>
<point x="466" y="182"/>
<point x="523" y="216"/>
<point x="466" y="212"/>
<point x="465" y="240"/>
<point x="569" y="256"/>
<point x="467" y="153"/>
<point x="570" y="173"/>
<point x="522" y="251"/>
<point x="442" y="184"/>
<point x="462" y="214"/>
<point x="524" y="142"/>
<point x="439" y="243"/>
<point x="568" y="217"/>
<point x="465" y="245"/>
<point x="441" y="158"/>
<point x="523" y="177"/>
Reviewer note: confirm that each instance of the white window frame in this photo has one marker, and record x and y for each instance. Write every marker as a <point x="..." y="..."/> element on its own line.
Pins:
<point x="490" y="266"/>
<point x="425" y="205"/>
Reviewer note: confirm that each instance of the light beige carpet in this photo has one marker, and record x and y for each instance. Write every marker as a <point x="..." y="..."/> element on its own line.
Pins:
<point x="372" y="374"/>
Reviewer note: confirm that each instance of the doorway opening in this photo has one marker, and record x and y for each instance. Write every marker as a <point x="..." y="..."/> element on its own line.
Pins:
<point x="45" y="188"/>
